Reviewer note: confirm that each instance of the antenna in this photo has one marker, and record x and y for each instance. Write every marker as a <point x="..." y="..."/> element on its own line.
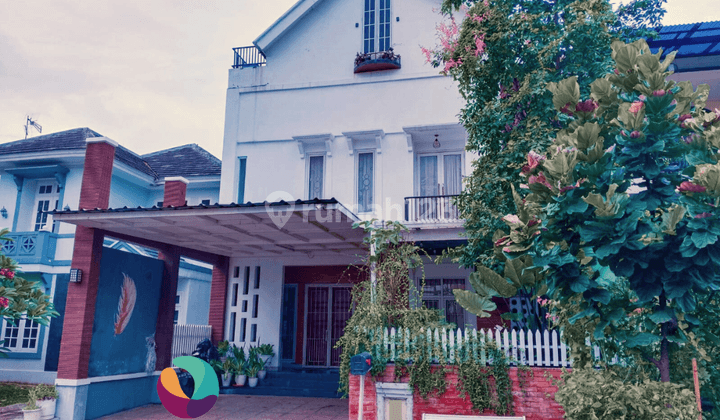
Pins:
<point x="30" y="122"/>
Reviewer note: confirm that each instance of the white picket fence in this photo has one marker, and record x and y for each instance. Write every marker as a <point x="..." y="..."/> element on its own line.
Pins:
<point x="186" y="338"/>
<point x="528" y="348"/>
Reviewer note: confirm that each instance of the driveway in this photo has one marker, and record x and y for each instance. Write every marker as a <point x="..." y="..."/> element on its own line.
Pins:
<point x="252" y="407"/>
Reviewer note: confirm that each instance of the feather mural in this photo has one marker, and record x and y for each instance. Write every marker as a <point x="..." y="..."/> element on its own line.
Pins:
<point x="128" y="294"/>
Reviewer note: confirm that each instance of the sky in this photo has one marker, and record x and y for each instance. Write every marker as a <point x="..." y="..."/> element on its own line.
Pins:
<point x="148" y="74"/>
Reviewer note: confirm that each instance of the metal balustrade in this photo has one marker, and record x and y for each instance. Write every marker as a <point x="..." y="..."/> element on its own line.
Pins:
<point x="432" y="209"/>
<point x="248" y="57"/>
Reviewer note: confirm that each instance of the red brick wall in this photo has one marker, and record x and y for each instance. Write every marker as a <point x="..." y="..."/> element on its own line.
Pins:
<point x="302" y="276"/>
<point x="174" y="193"/>
<point x="218" y="291"/>
<point x="80" y="304"/>
<point x="533" y="403"/>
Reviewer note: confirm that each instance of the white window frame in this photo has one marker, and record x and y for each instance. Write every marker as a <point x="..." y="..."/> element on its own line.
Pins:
<point x="440" y="168"/>
<point x="52" y="196"/>
<point x="376" y="36"/>
<point x="22" y="325"/>
<point x="374" y="181"/>
<point x="307" y="174"/>
<point x="181" y="307"/>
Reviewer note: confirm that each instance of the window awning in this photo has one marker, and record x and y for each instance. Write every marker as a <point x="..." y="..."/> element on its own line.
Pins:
<point x="303" y="227"/>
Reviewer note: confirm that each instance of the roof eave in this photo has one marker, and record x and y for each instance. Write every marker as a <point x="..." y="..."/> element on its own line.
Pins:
<point x="284" y="23"/>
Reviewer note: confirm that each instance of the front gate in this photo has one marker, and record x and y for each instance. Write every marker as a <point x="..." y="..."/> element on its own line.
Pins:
<point x="328" y="309"/>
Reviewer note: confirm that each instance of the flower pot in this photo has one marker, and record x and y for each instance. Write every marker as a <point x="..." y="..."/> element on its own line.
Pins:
<point x="47" y="407"/>
<point x="226" y="379"/>
<point x="32" y="414"/>
<point x="240" y="379"/>
<point x="252" y="382"/>
<point x="262" y="374"/>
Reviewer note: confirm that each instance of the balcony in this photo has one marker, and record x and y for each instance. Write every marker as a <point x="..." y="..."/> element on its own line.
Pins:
<point x="30" y="247"/>
<point x="374" y="61"/>
<point x="248" y="57"/>
<point x="432" y="209"/>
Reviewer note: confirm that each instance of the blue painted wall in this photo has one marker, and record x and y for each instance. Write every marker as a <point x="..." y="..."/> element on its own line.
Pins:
<point x="126" y="352"/>
<point x="56" y="324"/>
<point x="113" y="396"/>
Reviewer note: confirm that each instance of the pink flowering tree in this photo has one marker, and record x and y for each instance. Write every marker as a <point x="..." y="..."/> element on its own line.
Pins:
<point x="619" y="215"/>
<point x="503" y="53"/>
<point x="19" y="297"/>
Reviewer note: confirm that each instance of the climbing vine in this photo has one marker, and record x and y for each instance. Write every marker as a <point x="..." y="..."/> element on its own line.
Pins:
<point x="394" y="302"/>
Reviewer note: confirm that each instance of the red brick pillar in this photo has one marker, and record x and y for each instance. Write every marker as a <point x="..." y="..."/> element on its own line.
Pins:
<point x="174" y="195"/>
<point x="80" y="306"/>
<point x="218" y="293"/>
<point x="175" y="189"/>
<point x="165" y="326"/>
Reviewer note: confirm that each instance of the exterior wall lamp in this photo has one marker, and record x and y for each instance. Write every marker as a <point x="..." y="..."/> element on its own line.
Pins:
<point x="3" y="212"/>
<point x="436" y="143"/>
<point x="75" y="275"/>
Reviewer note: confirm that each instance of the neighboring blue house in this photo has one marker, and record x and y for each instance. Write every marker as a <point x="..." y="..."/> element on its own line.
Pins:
<point x="44" y="173"/>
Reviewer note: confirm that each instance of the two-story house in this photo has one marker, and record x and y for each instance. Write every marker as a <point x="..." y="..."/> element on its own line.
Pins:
<point x="44" y="173"/>
<point x="336" y="100"/>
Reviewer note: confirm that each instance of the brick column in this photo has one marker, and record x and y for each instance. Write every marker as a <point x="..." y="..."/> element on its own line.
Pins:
<point x="218" y="294"/>
<point x="164" y="328"/>
<point x="174" y="193"/>
<point x="80" y="304"/>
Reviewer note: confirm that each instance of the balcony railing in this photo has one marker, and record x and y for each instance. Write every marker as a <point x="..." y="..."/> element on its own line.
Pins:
<point x="433" y="209"/>
<point x="381" y="60"/>
<point x="248" y="57"/>
<point x="30" y="247"/>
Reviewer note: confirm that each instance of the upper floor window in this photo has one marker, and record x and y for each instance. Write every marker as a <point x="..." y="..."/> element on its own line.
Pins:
<point x="440" y="174"/>
<point x="376" y="26"/>
<point x="46" y="200"/>
<point x="316" y="174"/>
<point x="365" y="182"/>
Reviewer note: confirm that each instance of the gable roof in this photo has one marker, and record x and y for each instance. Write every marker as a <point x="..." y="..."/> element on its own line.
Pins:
<point x="284" y="23"/>
<point x="690" y="40"/>
<point x="187" y="160"/>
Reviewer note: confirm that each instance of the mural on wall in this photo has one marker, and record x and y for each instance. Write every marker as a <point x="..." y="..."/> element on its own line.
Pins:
<point x="125" y="313"/>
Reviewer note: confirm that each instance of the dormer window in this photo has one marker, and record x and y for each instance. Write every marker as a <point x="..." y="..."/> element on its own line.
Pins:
<point x="376" y="26"/>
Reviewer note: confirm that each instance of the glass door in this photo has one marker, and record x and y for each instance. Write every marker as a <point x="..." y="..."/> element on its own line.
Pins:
<point x="328" y="309"/>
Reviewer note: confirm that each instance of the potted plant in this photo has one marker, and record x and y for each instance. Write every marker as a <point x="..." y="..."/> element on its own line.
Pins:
<point x="266" y="353"/>
<point x="223" y="347"/>
<point x="262" y="372"/>
<point x="239" y="354"/>
<point x="32" y="411"/>
<point x="229" y="366"/>
<point x="252" y="372"/>
<point x="46" y="397"/>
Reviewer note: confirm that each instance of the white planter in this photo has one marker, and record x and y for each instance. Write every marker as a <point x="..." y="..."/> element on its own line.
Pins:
<point x="47" y="407"/>
<point x="32" y="414"/>
<point x="226" y="379"/>
<point x="240" y="379"/>
<point x="252" y="382"/>
<point x="261" y="374"/>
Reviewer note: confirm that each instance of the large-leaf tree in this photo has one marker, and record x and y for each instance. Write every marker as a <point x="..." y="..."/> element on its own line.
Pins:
<point x="620" y="212"/>
<point x="503" y="54"/>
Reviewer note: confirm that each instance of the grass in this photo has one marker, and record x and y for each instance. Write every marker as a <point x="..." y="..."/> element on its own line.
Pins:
<point x="13" y="393"/>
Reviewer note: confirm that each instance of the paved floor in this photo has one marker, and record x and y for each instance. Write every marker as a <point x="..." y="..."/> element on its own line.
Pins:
<point x="253" y="407"/>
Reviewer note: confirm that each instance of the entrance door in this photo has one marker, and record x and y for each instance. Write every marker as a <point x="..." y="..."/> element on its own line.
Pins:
<point x="328" y="309"/>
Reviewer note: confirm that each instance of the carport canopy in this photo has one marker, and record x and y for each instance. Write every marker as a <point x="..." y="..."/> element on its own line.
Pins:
<point x="304" y="227"/>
